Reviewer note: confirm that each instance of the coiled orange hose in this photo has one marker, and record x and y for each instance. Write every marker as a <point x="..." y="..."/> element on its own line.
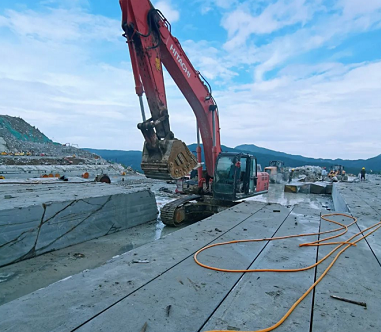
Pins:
<point x="347" y="244"/>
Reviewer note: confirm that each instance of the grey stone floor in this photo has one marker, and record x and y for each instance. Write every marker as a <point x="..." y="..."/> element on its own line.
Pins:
<point x="171" y="293"/>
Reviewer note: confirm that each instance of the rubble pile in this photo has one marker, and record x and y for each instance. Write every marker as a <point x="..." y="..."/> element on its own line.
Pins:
<point x="312" y="180"/>
<point x="15" y="130"/>
<point x="23" y="144"/>
<point x="308" y="174"/>
<point x="18" y="138"/>
<point x="44" y="160"/>
<point x="42" y="169"/>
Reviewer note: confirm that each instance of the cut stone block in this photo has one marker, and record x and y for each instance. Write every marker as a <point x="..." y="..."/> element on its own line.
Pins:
<point x="44" y="217"/>
<point x="305" y="188"/>
<point x="317" y="189"/>
<point x="328" y="189"/>
<point x="291" y="188"/>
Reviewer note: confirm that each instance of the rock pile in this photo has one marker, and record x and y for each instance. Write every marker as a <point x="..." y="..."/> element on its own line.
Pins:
<point x="23" y="144"/>
<point x="308" y="173"/>
<point x="19" y="137"/>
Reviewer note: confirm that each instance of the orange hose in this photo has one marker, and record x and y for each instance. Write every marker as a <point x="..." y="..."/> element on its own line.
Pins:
<point x="348" y="244"/>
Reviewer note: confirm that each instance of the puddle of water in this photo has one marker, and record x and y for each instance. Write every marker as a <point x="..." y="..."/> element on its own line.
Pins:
<point x="160" y="228"/>
<point x="313" y="205"/>
<point x="277" y="195"/>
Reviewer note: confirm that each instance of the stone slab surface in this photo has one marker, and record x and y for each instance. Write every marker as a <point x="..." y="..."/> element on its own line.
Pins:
<point x="363" y="200"/>
<point x="339" y="202"/>
<point x="357" y="275"/>
<point x="354" y="276"/>
<point x="122" y="295"/>
<point x="260" y="299"/>
<point x="79" y="298"/>
<point x="192" y="292"/>
<point x="44" y="217"/>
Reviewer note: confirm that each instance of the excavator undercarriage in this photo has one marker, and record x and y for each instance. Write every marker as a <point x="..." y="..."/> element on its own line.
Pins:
<point x="191" y="209"/>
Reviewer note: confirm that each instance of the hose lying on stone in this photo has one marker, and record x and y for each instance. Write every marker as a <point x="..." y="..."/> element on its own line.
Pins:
<point x="345" y="244"/>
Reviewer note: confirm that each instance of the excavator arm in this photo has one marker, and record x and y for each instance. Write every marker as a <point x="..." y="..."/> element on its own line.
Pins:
<point x="151" y="45"/>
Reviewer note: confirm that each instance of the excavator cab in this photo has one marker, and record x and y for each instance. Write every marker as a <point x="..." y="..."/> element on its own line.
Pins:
<point x="235" y="176"/>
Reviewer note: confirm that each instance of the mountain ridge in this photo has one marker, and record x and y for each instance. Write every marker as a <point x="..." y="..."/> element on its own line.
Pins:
<point x="16" y="135"/>
<point x="133" y="158"/>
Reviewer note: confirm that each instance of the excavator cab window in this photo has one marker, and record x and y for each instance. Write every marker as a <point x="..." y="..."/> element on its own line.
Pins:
<point x="247" y="182"/>
<point x="235" y="177"/>
<point x="253" y="176"/>
<point x="224" y="177"/>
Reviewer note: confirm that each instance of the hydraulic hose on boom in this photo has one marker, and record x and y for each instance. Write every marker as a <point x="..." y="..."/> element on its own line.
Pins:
<point x="152" y="45"/>
<point x="234" y="175"/>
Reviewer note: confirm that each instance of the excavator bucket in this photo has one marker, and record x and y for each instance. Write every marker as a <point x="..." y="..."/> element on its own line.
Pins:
<point x="170" y="160"/>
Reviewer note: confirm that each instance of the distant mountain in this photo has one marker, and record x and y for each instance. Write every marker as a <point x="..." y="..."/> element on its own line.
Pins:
<point x="127" y="158"/>
<point x="16" y="135"/>
<point x="352" y="166"/>
<point x="264" y="156"/>
<point x="263" y="151"/>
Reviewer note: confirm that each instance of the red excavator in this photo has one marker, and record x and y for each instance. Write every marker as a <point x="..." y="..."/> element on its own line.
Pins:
<point x="233" y="175"/>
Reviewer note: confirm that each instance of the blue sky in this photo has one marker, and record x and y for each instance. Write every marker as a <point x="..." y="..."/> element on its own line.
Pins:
<point x="298" y="76"/>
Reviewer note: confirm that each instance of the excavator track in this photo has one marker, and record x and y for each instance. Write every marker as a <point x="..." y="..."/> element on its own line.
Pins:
<point x="173" y="213"/>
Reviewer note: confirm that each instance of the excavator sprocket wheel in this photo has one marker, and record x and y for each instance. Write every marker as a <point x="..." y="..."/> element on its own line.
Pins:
<point x="173" y="213"/>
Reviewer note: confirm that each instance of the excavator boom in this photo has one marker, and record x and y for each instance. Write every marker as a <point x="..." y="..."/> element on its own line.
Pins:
<point x="151" y="46"/>
<point x="235" y="177"/>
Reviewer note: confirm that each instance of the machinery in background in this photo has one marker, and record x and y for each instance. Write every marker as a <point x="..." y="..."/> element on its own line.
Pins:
<point x="338" y="172"/>
<point x="277" y="172"/>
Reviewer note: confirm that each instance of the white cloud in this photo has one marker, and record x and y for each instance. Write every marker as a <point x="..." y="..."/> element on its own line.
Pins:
<point x="241" y="23"/>
<point x="206" y="59"/>
<point x="60" y="25"/>
<point x="171" y="14"/>
<point x="66" y="3"/>
<point x="54" y="75"/>
<point x="329" y="110"/>
<point x="326" y="30"/>
<point x="208" y="5"/>
<point x="355" y="8"/>
<point x="316" y="115"/>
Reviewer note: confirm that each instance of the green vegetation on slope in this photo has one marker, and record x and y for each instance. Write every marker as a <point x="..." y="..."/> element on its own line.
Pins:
<point x="20" y="130"/>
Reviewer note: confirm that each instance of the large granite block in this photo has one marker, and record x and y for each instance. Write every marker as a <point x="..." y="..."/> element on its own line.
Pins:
<point x="18" y="231"/>
<point x="318" y="189"/>
<point x="41" y="218"/>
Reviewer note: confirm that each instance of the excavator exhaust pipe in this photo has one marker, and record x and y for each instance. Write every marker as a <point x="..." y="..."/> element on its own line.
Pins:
<point x="170" y="159"/>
